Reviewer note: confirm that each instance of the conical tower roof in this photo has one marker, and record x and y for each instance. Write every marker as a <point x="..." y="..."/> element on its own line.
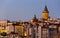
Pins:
<point x="45" y="9"/>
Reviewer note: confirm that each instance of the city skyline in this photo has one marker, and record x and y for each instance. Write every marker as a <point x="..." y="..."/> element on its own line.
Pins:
<point x="25" y="9"/>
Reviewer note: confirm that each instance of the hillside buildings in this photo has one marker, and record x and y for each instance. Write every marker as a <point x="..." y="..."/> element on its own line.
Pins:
<point x="45" y="27"/>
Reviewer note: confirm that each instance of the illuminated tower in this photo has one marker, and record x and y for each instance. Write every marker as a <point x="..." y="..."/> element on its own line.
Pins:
<point x="45" y="13"/>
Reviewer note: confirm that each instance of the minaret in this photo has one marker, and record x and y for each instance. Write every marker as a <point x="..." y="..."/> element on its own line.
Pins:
<point x="45" y="13"/>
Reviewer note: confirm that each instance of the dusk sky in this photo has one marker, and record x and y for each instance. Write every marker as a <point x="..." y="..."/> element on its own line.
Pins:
<point x="25" y="9"/>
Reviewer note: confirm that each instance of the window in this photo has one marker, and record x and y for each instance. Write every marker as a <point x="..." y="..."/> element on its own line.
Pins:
<point x="44" y="33"/>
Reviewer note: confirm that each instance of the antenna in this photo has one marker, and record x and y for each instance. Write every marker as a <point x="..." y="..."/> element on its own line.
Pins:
<point x="45" y="3"/>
